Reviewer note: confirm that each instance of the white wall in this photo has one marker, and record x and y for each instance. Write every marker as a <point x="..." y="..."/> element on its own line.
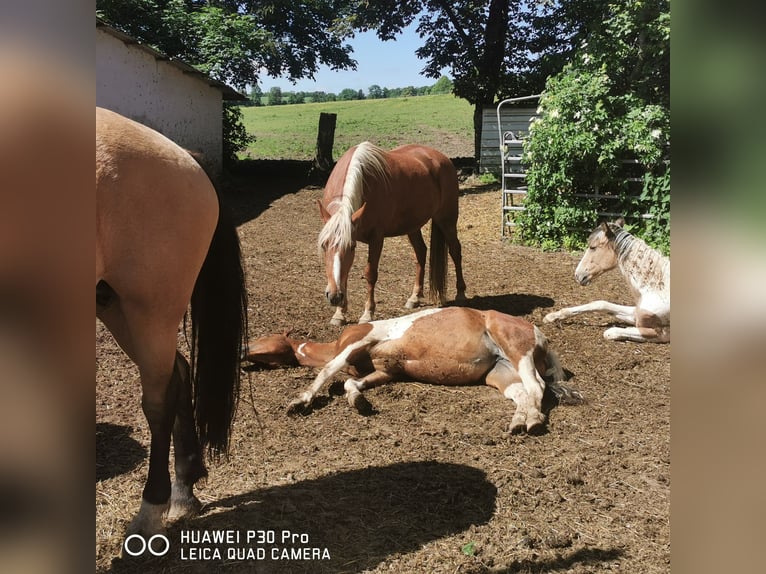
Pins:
<point x="181" y="106"/>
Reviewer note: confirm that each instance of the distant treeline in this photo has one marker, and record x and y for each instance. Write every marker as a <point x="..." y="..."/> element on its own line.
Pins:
<point x="276" y="97"/>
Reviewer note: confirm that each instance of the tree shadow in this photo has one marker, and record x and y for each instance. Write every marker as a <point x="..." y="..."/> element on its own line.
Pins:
<point x="512" y="304"/>
<point x="116" y="451"/>
<point x="361" y="517"/>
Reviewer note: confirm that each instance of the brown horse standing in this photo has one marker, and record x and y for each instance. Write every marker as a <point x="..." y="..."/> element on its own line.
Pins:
<point x="372" y="194"/>
<point x="161" y="244"/>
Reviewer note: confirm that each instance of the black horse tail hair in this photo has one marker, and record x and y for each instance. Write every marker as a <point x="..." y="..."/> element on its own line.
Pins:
<point x="218" y="333"/>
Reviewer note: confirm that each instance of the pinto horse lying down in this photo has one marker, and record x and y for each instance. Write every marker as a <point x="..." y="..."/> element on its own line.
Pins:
<point x="446" y="346"/>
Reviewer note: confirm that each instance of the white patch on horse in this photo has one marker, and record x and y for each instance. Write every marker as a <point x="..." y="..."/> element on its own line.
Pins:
<point x="300" y="350"/>
<point x="392" y="329"/>
<point x="336" y="270"/>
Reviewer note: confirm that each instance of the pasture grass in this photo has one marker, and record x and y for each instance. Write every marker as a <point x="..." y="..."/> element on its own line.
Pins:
<point x="290" y="131"/>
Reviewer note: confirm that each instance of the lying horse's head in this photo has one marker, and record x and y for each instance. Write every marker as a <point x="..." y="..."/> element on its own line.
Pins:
<point x="271" y="351"/>
<point x="600" y="255"/>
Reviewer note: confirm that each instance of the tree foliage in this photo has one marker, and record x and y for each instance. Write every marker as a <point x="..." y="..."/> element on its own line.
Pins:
<point x="492" y="48"/>
<point x="236" y="41"/>
<point x="610" y="104"/>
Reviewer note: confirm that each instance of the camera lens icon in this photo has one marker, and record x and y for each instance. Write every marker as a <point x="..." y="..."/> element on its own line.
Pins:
<point x="136" y="545"/>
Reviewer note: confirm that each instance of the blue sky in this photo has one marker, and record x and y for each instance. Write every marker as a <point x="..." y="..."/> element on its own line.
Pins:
<point x="391" y="64"/>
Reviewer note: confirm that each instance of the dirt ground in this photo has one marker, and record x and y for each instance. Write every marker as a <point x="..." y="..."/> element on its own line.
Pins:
<point x="431" y="482"/>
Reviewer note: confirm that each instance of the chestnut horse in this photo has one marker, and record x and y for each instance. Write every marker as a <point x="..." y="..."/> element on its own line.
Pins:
<point x="372" y="194"/>
<point x="648" y="274"/>
<point x="447" y="346"/>
<point x="161" y="244"/>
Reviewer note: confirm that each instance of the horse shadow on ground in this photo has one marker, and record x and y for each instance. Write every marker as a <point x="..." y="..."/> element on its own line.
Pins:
<point x="361" y="517"/>
<point x="517" y="304"/>
<point x="116" y="451"/>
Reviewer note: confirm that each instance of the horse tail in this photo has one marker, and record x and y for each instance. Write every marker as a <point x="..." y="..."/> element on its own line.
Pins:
<point x="437" y="264"/>
<point x="555" y="372"/>
<point x="219" y="331"/>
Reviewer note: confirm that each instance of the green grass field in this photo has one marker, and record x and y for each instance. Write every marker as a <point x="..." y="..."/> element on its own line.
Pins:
<point x="290" y="131"/>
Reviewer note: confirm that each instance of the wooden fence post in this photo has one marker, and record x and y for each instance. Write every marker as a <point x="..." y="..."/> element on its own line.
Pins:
<point x="323" y="162"/>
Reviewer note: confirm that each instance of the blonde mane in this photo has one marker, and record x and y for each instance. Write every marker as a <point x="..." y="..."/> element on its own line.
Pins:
<point x="367" y="163"/>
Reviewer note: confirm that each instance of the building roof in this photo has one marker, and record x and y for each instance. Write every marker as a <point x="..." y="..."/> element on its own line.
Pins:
<point x="227" y="92"/>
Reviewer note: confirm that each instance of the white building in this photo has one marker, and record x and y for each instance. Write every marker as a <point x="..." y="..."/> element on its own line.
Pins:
<point x="167" y="95"/>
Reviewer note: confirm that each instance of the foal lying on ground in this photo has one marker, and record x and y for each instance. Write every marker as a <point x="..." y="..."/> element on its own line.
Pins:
<point x="448" y="346"/>
<point x="648" y="274"/>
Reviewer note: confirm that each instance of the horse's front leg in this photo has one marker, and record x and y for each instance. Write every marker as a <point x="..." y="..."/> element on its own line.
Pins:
<point x="354" y="388"/>
<point x="371" y="275"/>
<point x="420" y="249"/>
<point x="621" y="313"/>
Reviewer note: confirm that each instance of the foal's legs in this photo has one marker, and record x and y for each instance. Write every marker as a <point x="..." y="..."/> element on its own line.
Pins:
<point x="420" y="249"/>
<point x="371" y="275"/>
<point x="622" y="313"/>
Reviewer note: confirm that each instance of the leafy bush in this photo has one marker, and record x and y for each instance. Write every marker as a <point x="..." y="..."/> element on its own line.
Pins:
<point x="610" y="104"/>
<point x="235" y="136"/>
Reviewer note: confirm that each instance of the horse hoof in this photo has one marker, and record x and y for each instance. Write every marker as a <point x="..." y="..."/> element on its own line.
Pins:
<point x="337" y="322"/>
<point x="517" y="428"/>
<point x="297" y="406"/>
<point x="550" y="318"/>
<point x="183" y="507"/>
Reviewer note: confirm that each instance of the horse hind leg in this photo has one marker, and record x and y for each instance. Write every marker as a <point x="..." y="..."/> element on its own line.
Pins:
<point x="189" y="465"/>
<point x="152" y="346"/>
<point x="448" y="230"/>
<point x="419" y="247"/>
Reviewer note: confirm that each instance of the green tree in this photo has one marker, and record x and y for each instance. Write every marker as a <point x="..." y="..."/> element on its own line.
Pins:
<point x="347" y="94"/>
<point x="235" y="41"/>
<point x="442" y="86"/>
<point x="611" y="103"/>
<point x="375" y="92"/>
<point x="275" y="97"/>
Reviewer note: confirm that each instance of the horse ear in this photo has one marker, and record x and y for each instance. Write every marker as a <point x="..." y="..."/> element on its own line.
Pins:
<point x="358" y="214"/>
<point x="322" y="211"/>
<point x="620" y="222"/>
<point x="607" y="231"/>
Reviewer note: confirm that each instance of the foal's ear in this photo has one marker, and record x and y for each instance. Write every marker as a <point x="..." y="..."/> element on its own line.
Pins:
<point x="620" y="222"/>
<point x="322" y="211"/>
<point x="358" y="214"/>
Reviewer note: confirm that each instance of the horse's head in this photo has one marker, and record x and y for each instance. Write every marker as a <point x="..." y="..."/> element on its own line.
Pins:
<point x="338" y="260"/>
<point x="600" y="255"/>
<point x="338" y="247"/>
<point x="270" y="351"/>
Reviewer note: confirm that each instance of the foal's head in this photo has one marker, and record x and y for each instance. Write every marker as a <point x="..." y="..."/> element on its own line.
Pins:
<point x="600" y="255"/>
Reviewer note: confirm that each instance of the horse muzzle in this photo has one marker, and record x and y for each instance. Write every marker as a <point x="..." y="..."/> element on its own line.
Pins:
<point x="583" y="279"/>
<point x="335" y="298"/>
